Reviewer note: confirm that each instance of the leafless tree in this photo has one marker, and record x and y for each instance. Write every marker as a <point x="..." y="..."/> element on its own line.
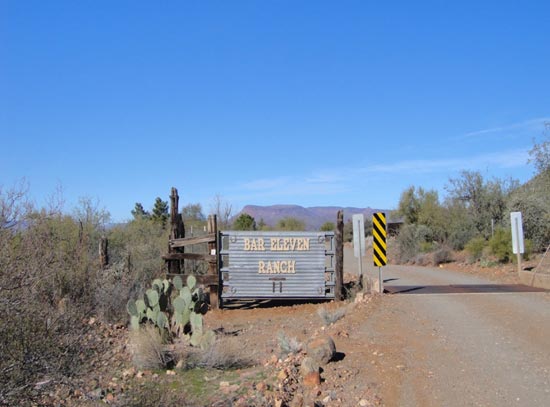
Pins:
<point x="223" y="210"/>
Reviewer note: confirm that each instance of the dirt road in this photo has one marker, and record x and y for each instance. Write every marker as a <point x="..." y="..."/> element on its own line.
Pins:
<point x="478" y="344"/>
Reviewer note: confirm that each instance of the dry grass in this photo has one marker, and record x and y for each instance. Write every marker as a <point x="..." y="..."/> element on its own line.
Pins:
<point x="330" y="317"/>
<point x="147" y="349"/>
<point x="226" y="353"/>
<point x="288" y="345"/>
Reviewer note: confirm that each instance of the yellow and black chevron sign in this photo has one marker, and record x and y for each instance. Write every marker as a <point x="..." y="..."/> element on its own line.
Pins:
<point x="379" y="239"/>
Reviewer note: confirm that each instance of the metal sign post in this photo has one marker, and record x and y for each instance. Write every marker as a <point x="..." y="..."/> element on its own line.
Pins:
<point x="359" y="242"/>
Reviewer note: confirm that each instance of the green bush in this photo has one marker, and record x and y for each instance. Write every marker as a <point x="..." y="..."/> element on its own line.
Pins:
<point x="475" y="247"/>
<point x="528" y="243"/>
<point x="327" y="227"/>
<point x="244" y="222"/>
<point x="426" y="247"/>
<point x="290" y="224"/>
<point x="501" y="245"/>
<point x="535" y="209"/>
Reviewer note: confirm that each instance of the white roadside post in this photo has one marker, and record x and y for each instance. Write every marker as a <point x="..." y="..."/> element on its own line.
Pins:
<point x="517" y="236"/>
<point x="359" y="242"/>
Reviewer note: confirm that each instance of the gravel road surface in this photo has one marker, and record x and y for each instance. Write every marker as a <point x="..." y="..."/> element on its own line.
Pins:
<point x="478" y="344"/>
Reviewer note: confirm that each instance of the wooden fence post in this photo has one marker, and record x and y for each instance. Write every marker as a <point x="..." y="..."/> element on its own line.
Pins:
<point x="213" y="264"/>
<point x="339" y="249"/>
<point x="177" y="230"/>
<point x="103" y="253"/>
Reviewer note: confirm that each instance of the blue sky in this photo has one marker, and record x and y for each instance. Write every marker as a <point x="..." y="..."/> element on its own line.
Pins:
<point x="266" y="102"/>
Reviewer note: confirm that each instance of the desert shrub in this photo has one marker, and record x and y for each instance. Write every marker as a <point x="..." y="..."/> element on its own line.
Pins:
<point x="328" y="227"/>
<point x="486" y="262"/>
<point x="114" y="287"/>
<point x="483" y="200"/>
<point x="501" y="245"/>
<point x="290" y="224"/>
<point x="38" y="342"/>
<point x="422" y="259"/>
<point x="535" y="209"/>
<point x="475" y="247"/>
<point x="135" y="250"/>
<point x="528" y="246"/>
<point x="442" y="255"/>
<point x="426" y="247"/>
<point x="288" y="345"/>
<point x="226" y="353"/>
<point x="47" y="274"/>
<point x="407" y="245"/>
<point x="148" y="350"/>
<point x="409" y="240"/>
<point x="330" y="317"/>
<point x="139" y="245"/>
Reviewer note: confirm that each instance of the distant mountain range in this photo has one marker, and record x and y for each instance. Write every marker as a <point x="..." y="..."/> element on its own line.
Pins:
<point x="313" y="217"/>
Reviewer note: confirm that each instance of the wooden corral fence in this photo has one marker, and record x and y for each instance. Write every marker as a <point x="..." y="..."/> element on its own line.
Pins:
<point x="177" y="243"/>
<point x="176" y="256"/>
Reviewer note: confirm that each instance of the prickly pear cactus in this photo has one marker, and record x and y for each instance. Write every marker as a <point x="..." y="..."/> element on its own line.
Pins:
<point x="175" y="309"/>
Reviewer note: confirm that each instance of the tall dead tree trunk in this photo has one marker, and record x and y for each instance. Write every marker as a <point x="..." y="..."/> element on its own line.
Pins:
<point x="103" y="253"/>
<point x="339" y="266"/>
<point x="177" y="231"/>
<point x="213" y="264"/>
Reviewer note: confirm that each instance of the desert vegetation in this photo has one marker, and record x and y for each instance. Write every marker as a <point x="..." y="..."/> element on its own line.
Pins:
<point x="53" y="279"/>
<point x="475" y="216"/>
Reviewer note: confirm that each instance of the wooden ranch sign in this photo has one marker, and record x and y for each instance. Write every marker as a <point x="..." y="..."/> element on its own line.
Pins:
<point x="277" y="264"/>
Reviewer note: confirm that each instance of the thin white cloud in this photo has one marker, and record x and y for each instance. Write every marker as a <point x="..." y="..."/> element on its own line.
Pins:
<point x="529" y="125"/>
<point x="318" y="184"/>
<point x="337" y="182"/>
<point x="325" y="178"/>
<point x="503" y="159"/>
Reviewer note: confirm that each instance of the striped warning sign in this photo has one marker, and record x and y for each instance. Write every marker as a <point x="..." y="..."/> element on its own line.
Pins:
<point x="379" y="239"/>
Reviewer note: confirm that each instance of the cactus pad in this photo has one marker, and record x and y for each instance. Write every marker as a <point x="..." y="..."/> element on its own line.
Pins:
<point x="178" y="283"/>
<point x="162" y="321"/>
<point x="179" y="305"/>
<point x="185" y="293"/>
<point x="140" y="306"/>
<point x="191" y="282"/>
<point x="131" y="308"/>
<point x="152" y="297"/>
